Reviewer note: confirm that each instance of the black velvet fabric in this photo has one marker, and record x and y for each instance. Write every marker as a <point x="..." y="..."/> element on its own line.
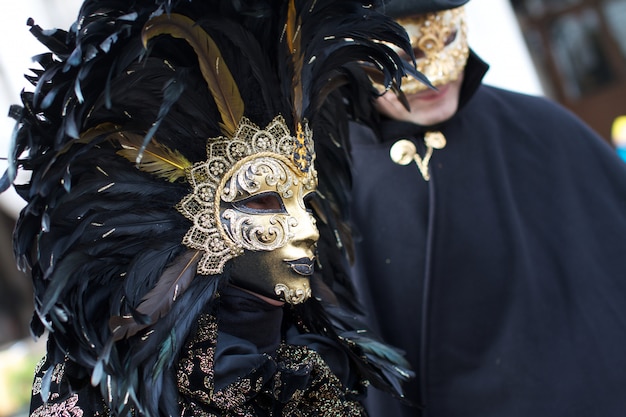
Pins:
<point x="254" y="328"/>
<point x="247" y="316"/>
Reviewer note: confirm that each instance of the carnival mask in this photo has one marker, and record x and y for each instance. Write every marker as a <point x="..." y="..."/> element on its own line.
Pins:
<point x="263" y="209"/>
<point x="440" y="45"/>
<point x="248" y="203"/>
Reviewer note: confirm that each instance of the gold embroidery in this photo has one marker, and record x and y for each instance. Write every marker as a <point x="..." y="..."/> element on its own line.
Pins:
<point x="57" y="375"/>
<point x="323" y="394"/>
<point x="199" y="360"/>
<point x="67" y="408"/>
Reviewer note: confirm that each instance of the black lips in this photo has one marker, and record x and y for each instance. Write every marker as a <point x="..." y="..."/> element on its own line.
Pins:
<point x="302" y="266"/>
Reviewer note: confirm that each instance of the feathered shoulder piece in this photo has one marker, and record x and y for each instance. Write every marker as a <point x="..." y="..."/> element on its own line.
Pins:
<point x="143" y="103"/>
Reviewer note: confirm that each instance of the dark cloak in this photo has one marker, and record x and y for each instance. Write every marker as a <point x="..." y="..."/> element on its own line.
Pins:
<point x="504" y="276"/>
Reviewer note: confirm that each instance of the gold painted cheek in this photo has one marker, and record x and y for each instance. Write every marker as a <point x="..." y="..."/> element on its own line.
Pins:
<point x="267" y="274"/>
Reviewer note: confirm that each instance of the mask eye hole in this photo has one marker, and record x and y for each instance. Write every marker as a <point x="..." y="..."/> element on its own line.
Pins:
<point x="269" y="202"/>
<point x="310" y="202"/>
<point x="450" y="38"/>
<point x="418" y="53"/>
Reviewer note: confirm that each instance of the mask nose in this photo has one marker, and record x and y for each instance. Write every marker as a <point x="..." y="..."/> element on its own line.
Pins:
<point x="306" y="233"/>
<point x="310" y="232"/>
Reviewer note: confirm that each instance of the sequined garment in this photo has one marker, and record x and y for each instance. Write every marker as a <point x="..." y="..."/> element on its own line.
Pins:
<point x="61" y="401"/>
<point x="294" y="381"/>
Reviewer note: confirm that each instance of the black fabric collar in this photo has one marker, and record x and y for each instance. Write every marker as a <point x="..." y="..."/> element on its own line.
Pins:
<point x="475" y="70"/>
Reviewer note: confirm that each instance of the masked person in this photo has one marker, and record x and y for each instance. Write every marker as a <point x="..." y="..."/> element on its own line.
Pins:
<point x="169" y="228"/>
<point x="492" y="228"/>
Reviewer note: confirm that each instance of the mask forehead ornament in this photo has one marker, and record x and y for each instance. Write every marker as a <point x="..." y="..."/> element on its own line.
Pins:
<point x="231" y="172"/>
<point x="439" y="40"/>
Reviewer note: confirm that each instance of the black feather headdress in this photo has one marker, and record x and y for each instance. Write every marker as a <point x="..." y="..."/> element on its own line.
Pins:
<point x="123" y="105"/>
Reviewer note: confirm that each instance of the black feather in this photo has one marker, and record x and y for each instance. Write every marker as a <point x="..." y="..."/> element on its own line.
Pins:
<point x="159" y="300"/>
<point x="103" y="240"/>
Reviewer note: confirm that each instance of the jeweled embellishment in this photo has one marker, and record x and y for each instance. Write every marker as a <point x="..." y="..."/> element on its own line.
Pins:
<point x="302" y="156"/>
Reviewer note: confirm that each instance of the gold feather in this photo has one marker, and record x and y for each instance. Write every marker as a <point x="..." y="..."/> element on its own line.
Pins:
<point x="101" y="130"/>
<point x="217" y="75"/>
<point x="87" y="136"/>
<point x="292" y="33"/>
<point x="156" y="159"/>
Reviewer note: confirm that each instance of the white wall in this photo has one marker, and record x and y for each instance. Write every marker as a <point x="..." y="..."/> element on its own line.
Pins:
<point x="495" y="36"/>
<point x="17" y="47"/>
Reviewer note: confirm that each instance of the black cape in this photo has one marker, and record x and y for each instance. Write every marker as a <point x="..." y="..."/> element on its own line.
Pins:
<point x="504" y="276"/>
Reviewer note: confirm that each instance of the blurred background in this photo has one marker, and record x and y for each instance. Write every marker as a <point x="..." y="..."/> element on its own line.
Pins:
<point x="18" y="351"/>
<point x="573" y="51"/>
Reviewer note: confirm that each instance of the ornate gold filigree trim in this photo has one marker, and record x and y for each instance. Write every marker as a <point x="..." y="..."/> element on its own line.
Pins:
<point x="224" y="157"/>
<point x="291" y="295"/>
<point x="441" y="48"/>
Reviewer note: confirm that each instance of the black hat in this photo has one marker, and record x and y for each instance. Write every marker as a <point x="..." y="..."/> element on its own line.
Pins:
<point x="403" y="8"/>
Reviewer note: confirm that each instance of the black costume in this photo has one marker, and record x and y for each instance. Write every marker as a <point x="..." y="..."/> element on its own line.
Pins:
<point x="503" y="277"/>
<point x="140" y="115"/>
<point x="251" y="368"/>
